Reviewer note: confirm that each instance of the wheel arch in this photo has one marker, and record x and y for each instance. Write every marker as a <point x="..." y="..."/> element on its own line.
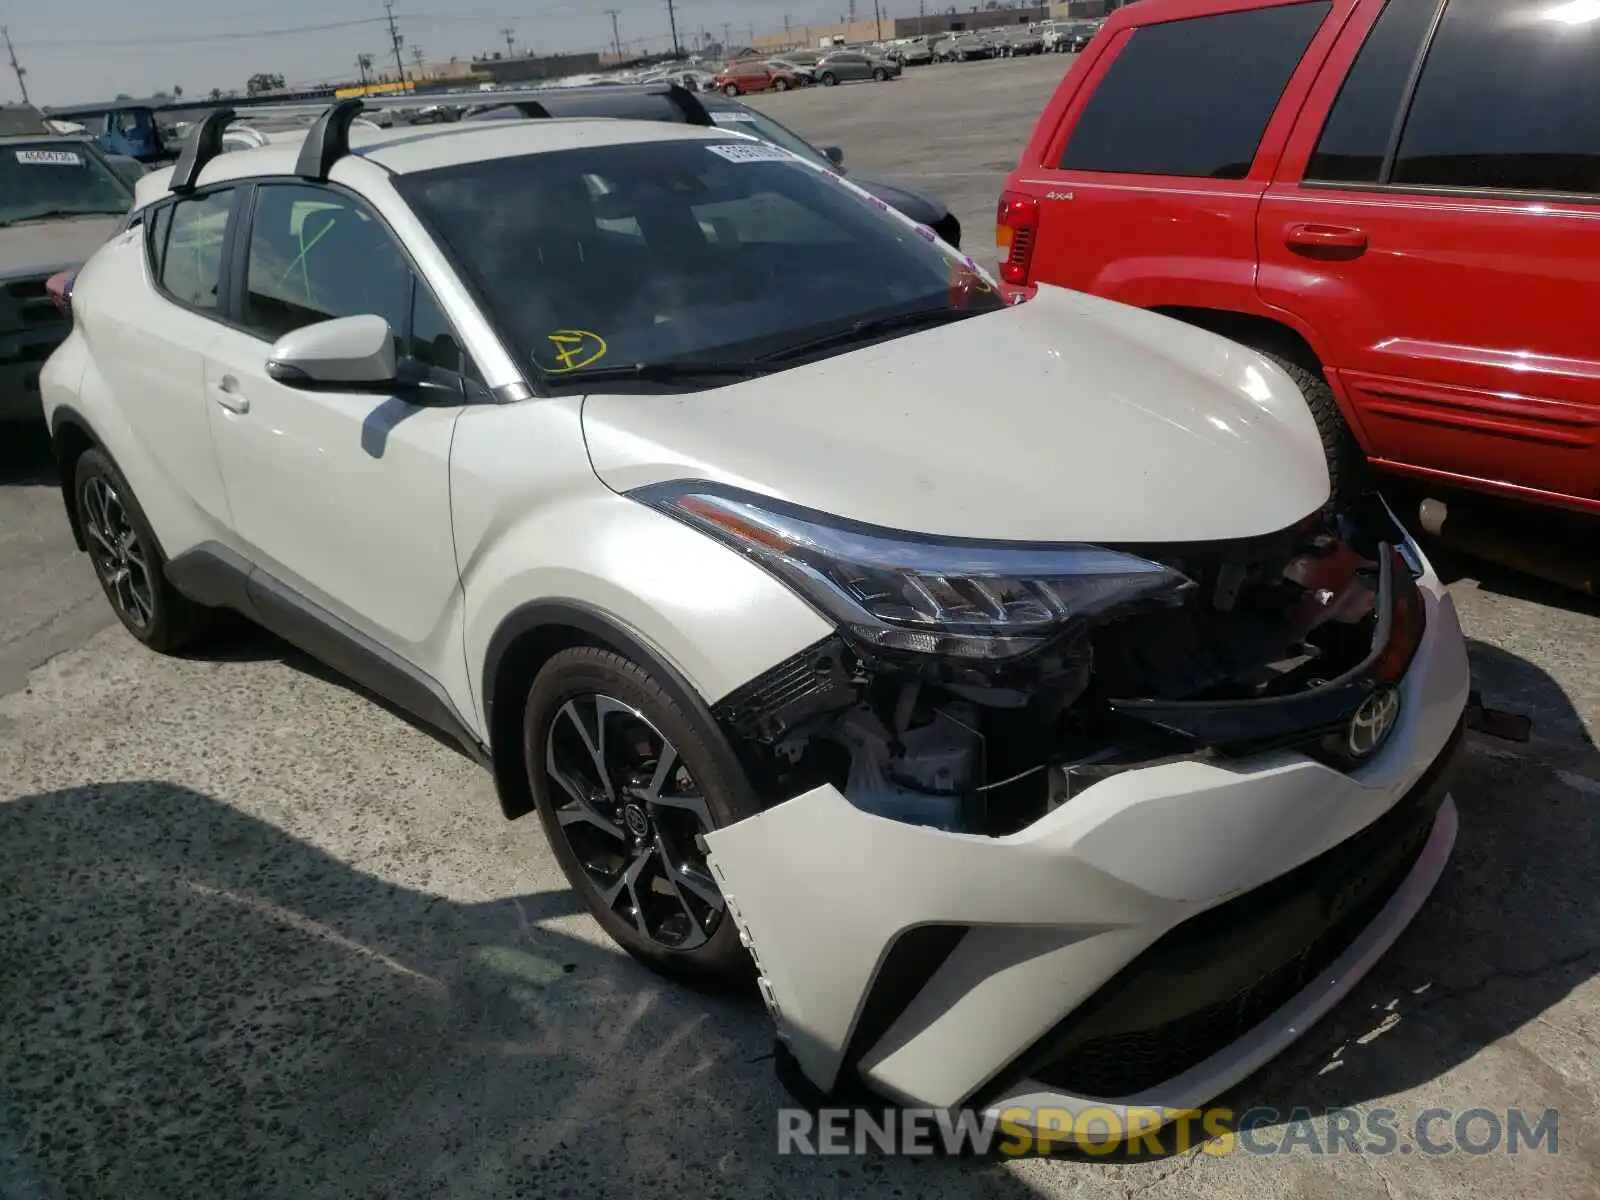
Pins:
<point x="70" y="438"/>
<point x="1250" y="329"/>
<point x="529" y="637"/>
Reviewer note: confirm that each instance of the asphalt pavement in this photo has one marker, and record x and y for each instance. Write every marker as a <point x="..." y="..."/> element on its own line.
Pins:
<point x="261" y="937"/>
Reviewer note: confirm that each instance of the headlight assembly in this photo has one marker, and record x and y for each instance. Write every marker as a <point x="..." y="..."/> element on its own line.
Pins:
<point x="957" y="598"/>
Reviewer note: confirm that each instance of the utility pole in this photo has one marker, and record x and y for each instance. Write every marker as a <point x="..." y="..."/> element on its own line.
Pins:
<point x="417" y="57"/>
<point x="616" y="38"/>
<point x="922" y="16"/>
<point x="363" y="63"/>
<point x="396" y="41"/>
<point x="852" y="12"/>
<point x="877" y="17"/>
<point x="18" y="68"/>
<point x="672" y="20"/>
<point x="509" y="35"/>
<point x="727" y="35"/>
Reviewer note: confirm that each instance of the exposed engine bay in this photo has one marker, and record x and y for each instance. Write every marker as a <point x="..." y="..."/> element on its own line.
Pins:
<point x="1275" y="643"/>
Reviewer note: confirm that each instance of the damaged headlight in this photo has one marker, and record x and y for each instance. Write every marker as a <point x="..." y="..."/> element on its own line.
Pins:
<point x="903" y="591"/>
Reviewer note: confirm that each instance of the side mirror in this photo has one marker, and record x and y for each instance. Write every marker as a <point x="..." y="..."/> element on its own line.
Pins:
<point x="353" y="354"/>
<point x="834" y="154"/>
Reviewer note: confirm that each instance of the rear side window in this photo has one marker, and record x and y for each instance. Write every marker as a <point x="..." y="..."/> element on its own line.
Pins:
<point x="1355" y="139"/>
<point x="1193" y="97"/>
<point x="1509" y="99"/>
<point x="187" y="237"/>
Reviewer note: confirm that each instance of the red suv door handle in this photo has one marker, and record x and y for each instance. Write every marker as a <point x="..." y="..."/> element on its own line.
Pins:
<point x="1313" y="238"/>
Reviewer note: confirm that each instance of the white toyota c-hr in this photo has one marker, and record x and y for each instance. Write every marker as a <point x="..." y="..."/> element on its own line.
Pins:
<point x="999" y="683"/>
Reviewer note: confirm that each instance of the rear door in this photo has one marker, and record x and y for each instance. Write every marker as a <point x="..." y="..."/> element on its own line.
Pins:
<point x="1149" y="185"/>
<point x="1440" y="230"/>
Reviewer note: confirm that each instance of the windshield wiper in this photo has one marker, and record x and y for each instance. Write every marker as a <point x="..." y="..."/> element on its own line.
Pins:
<point x="55" y="214"/>
<point x="865" y="331"/>
<point x="666" y="372"/>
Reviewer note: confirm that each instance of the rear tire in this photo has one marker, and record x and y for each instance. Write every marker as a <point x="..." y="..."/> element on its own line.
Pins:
<point x="127" y="559"/>
<point x="879" y="74"/>
<point x="626" y="818"/>
<point x="1348" y="473"/>
<point x="780" y="85"/>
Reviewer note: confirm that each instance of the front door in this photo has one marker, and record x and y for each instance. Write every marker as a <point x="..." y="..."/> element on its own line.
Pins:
<point x="1453" y="271"/>
<point x="343" y="497"/>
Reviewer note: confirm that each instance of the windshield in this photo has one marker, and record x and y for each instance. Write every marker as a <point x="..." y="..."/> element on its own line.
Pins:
<point x="50" y="179"/>
<point x="686" y="251"/>
<point x="748" y="120"/>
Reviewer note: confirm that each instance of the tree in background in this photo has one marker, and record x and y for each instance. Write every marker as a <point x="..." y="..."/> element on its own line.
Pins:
<point x="264" y="81"/>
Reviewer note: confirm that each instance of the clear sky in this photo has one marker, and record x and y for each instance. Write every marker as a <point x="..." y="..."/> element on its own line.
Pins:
<point x="90" y="50"/>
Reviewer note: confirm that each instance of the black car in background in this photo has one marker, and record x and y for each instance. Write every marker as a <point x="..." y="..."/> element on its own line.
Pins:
<point x="61" y="198"/>
<point x="668" y="102"/>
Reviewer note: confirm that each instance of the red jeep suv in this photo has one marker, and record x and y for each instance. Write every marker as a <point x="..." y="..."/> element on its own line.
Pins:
<point x="1397" y="199"/>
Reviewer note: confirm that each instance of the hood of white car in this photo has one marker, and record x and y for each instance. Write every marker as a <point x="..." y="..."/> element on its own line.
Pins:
<point x="1068" y="418"/>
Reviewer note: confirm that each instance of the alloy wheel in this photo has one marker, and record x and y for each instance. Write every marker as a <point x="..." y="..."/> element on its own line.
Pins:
<point x="120" y="559"/>
<point x="634" y="818"/>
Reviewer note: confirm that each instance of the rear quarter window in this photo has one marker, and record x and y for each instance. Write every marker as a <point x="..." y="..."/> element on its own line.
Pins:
<point x="1193" y="97"/>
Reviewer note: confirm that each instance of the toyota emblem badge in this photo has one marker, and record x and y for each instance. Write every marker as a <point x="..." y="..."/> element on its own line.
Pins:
<point x="1373" y="722"/>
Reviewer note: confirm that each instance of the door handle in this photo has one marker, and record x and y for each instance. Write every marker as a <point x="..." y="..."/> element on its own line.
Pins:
<point x="228" y="395"/>
<point x="1311" y="239"/>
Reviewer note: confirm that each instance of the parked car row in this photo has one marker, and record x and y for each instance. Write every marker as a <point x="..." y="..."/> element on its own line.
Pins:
<point x="743" y="76"/>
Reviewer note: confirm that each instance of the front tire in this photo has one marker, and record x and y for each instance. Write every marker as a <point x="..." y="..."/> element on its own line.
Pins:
<point x="730" y="90"/>
<point x="879" y="74"/>
<point x="127" y="558"/>
<point x="829" y="79"/>
<point x="1347" y="465"/>
<point x="627" y="781"/>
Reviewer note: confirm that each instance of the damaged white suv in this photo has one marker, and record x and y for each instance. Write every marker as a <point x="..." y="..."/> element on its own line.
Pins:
<point x="996" y="680"/>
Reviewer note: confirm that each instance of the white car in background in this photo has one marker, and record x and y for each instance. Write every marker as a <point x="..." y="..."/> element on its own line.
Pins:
<point x="990" y="683"/>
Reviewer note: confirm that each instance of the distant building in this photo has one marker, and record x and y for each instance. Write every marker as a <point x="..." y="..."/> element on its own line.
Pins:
<point x="530" y="68"/>
<point x="929" y="24"/>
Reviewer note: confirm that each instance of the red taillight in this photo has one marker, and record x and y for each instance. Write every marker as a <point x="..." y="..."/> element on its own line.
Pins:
<point x="59" y="286"/>
<point x="1016" y="223"/>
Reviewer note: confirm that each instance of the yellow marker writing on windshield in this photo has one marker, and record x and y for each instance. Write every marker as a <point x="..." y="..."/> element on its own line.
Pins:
<point x="575" y="348"/>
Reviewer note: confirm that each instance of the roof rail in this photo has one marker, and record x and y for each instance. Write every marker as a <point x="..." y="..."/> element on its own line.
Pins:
<point x="328" y="140"/>
<point x="202" y="145"/>
<point x="686" y="102"/>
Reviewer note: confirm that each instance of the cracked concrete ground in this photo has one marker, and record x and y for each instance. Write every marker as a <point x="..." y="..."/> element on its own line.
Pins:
<point x="260" y="937"/>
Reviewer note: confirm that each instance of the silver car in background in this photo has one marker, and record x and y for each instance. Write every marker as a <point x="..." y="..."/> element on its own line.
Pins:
<point x="842" y="66"/>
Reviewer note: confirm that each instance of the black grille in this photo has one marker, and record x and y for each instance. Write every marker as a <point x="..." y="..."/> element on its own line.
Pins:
<point x="1215" y="977"/>
<point x="30" y="301"/>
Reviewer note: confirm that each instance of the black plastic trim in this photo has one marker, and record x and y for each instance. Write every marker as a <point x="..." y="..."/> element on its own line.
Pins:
<point x="591" y="627"/>
<point x="1214" y="959"/>
<point x="1407" y="95"/>
<point x="1252" y="725"/>
<point x="328" y="140"/>
<point x="213" y="574"/>
<point x="911" y="962"/>
<point x="199" y="148"/>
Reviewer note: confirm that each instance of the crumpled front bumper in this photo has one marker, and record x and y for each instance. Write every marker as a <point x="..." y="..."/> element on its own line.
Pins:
<point x="931" y="966"/>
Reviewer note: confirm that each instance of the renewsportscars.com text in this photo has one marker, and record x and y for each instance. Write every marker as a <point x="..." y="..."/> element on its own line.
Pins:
<point x="1156" y="1132"/>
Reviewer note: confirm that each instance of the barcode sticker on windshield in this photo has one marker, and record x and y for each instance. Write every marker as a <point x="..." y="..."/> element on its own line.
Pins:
<point x="750" y="152"/>
<point x="50" y="158"/>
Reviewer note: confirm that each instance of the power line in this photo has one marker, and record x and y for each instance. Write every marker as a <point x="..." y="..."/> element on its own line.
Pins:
<point x="616" y="37"/>
<point x="22" y="82"/>
<point x="672" y="20"/>
<point x="396" y="40"/>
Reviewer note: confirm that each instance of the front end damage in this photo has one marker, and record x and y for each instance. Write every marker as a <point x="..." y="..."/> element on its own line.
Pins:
<point x="1125" y="868"/>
